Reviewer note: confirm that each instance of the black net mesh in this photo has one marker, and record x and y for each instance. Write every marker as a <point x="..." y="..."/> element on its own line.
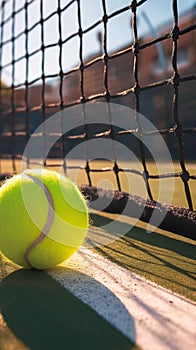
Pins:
<point x="165" y="96"/>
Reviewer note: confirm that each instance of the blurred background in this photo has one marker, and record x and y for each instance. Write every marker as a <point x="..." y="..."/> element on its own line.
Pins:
<point x="39" y="46"/>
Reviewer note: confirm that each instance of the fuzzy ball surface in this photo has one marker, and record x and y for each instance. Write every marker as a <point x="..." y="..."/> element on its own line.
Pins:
<point x="43" y="218"/>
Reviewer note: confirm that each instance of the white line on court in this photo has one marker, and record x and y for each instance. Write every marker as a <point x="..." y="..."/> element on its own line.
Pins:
<point x="146" y="313"/>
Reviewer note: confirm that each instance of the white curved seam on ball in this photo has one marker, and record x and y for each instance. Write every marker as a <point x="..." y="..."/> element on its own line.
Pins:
<point x="48" y="223"/>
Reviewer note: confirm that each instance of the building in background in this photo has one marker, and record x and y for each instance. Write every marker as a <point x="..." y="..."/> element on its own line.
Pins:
<point x="120" y="67"/>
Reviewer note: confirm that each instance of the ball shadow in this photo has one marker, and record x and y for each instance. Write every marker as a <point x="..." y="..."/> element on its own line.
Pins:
<point x="44" y="315"/>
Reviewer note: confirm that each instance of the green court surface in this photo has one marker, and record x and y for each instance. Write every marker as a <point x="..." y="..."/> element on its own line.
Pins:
<point x="37" y="313"/>
<point x="162" y="257"/>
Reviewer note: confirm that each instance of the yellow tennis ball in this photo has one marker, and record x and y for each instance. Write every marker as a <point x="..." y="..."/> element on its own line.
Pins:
<point x="43" y="218"/>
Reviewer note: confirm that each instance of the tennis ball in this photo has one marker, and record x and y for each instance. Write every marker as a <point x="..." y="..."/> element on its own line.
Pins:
<point x="43" y="218"/>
